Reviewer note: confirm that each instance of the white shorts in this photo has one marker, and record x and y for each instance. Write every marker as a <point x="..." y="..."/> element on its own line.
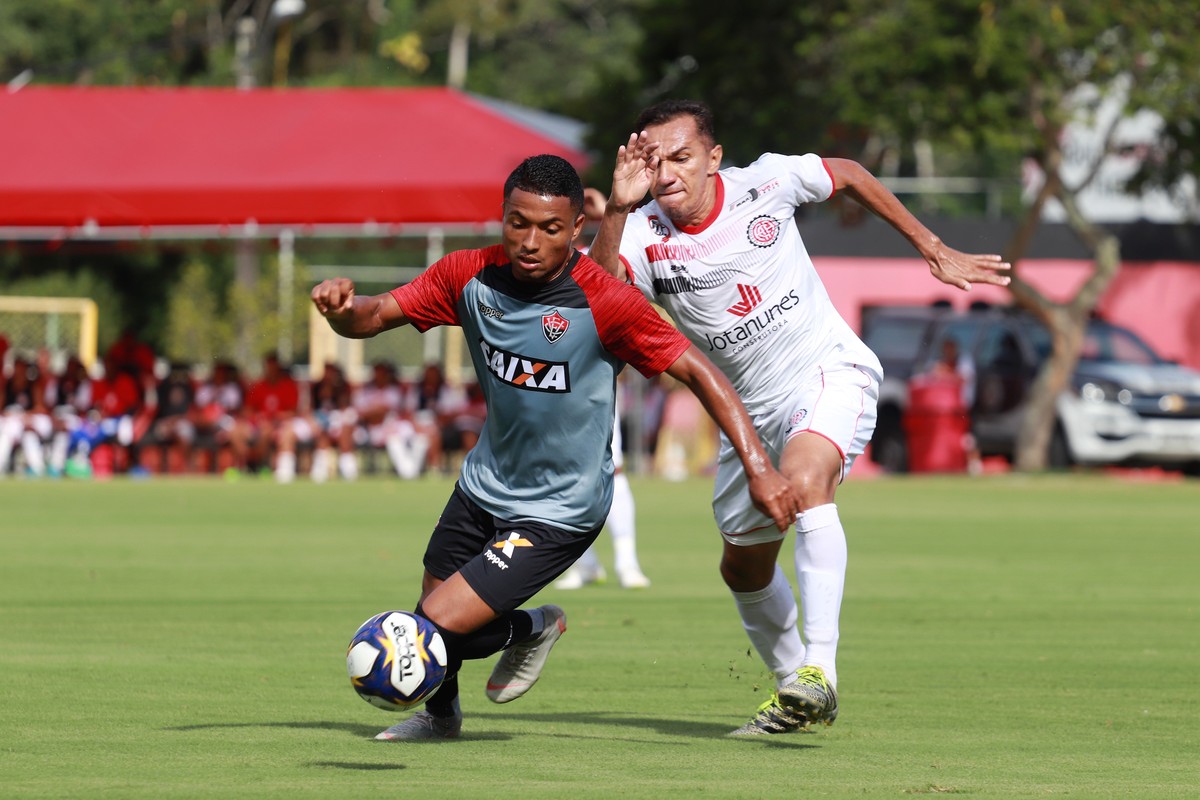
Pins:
<point x="839" y="403"/>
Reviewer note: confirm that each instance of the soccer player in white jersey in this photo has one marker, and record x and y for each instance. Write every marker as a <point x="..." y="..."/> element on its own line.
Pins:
<point x="719" y="249"/>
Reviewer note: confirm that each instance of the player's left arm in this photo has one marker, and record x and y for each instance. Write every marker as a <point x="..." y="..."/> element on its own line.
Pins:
<point x="769" y="490"/>
<point x="947" y="264"/>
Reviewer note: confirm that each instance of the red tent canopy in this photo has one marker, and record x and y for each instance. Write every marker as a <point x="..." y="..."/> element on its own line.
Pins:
<point x="103" y="157"/>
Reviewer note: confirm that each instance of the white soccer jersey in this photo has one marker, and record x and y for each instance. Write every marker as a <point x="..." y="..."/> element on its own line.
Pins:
<point x="741" y="285"/>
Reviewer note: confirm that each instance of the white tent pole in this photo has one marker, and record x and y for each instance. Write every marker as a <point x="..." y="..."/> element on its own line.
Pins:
<point x="287" y="279"/>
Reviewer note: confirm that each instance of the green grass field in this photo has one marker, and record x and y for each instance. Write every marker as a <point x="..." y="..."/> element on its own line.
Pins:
<point x="1004" y="637"/>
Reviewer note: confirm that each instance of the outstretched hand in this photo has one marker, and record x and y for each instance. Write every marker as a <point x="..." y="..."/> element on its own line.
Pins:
<point x="637" y="162"/>
<point x="963" y="269"/>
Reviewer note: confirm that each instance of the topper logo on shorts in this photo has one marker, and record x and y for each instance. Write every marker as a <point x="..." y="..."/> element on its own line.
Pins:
<point x="524" y="372"/>
<point x="554" y="325"/>
<point x="508" y="547"/>
<point x="510" y="544"/>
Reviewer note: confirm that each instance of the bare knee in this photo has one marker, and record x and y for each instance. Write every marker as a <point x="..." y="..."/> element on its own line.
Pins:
<point x="813" y="466"/>
<point x="814" y="489"/>
<point x="750" y="568"/>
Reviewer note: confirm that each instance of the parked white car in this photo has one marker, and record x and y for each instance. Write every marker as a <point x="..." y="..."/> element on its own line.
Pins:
<point x="1127" y="405"/>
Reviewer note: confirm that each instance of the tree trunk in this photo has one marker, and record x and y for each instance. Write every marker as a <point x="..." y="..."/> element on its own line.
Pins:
<point x="1067" y="323"/>
<point x="1037" y="426"/>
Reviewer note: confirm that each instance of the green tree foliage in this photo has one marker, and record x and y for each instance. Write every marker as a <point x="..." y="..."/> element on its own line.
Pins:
<point x="525" y="51"/>
<point x="202" y="305"/>
<point x="763" y="71"/>
<point x="197" y="332"/>
<point x="1006" y="79"/>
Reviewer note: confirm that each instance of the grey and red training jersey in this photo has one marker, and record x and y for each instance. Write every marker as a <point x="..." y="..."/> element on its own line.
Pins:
<point x="547" y="358"/>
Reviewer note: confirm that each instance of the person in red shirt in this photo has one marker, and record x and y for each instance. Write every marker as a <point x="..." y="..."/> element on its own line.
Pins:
<point x="132" y="355"/>
<point x="271" y="403"/>
<point x="116" y="401"/>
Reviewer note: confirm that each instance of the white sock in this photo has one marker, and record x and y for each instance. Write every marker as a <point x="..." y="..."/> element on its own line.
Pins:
<point x="622" y="527"/>
<point x="821" y="574"/>
<point x="285" y="467"/>
<point x="58" y="452"/>
<point x="404" y="458"/>
<point x="10" y="429"/>
<point x="35" y="455"/>
<point x="769" y="617"/>
<point x="348" y="466"/>
<point x="320" y="464"/>
<point x="589" y="563"/>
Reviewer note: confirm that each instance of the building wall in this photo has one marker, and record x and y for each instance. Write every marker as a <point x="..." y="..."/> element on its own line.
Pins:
<point x="1159" y="300"/>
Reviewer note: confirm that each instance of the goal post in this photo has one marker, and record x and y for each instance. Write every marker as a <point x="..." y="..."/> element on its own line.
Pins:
<point x="59" y="324"/>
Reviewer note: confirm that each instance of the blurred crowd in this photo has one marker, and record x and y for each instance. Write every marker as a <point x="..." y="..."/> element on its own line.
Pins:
<point x="134" y="414"/>
<point x="129" y="417"/>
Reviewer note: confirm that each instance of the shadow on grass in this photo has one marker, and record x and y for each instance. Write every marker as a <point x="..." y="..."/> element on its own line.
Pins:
<point x="355" y="729"/>
<point x="677" y="728"/>
<point x="680" y="728"/>
<point x="353" y="765"/>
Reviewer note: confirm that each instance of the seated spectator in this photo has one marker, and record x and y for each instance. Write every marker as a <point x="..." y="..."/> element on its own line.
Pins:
<point x="332" y="418"/>
<point x="173" y="427"/>
<point x="466" y="423"/>
<point x="116" y="402"/>
<point x="25" y="418"/>
<point x="69" y="396"/>
<point x="434" y="404"/>
<point x="271" y="405"/>
<point x="130" y="354"/>
<point x="383" y="421"/>
<point x="217" y="408"/>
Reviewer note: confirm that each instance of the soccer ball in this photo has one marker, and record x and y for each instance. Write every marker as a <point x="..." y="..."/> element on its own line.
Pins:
<point x="396" y="660"/>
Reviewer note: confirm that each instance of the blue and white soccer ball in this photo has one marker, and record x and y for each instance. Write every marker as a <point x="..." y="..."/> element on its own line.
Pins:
<point x="396" y="660"/>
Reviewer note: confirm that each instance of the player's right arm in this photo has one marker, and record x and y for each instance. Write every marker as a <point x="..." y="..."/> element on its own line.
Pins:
<point x="770" y="492"/>
<point x="633" y="175"/>
<point x="352" y="315"/>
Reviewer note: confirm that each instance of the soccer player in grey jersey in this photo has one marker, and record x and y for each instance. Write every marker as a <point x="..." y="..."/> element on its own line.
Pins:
<point x="548" y="330"/>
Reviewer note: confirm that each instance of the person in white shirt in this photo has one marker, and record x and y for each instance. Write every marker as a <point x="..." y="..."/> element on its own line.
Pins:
<point x="719" y="249"/>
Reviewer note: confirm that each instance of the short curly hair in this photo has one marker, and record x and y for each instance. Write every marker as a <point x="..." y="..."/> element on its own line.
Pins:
<point x="548" y="175"/>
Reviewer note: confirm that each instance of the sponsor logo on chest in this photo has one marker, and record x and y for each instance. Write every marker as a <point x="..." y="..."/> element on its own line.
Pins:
<point x="524" y="372"/>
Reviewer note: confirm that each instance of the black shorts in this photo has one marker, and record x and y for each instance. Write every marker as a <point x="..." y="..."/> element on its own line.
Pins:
<point x="505" y="562"/>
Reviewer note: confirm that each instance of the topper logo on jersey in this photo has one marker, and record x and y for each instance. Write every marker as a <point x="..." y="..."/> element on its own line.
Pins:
<point x="751" y="297"/>
<point x="763" y="231"/>
<point x="554" y="325"/>
<point x="488" y="311"/>
<point x="658" y="227"/>
<point x="524" y="372"/>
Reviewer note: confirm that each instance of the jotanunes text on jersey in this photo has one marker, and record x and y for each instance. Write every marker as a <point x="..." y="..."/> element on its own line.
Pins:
<point x="757" y="327"/>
